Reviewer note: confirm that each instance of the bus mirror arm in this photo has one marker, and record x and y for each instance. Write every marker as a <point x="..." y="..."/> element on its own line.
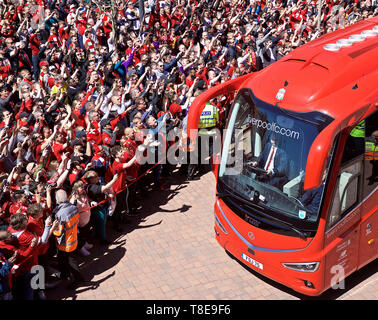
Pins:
<point x="318" y="154"/>
<point x="199" y="103"/>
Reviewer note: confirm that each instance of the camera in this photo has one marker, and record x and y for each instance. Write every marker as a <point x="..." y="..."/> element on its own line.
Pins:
<point x="52" y="184"/>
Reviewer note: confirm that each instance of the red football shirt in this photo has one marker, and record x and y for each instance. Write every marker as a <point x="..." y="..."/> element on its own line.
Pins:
<point x="120" y="184"/>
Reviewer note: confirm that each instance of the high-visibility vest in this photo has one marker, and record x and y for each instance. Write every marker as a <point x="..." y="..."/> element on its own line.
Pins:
<point x="67" y="231"/>
<point x="371" y="151"/>
<point x="359" y="130"/>
<point x="209" y="117"/>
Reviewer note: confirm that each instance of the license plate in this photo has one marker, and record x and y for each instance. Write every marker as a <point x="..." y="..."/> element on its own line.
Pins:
<point x="252" y="262"/>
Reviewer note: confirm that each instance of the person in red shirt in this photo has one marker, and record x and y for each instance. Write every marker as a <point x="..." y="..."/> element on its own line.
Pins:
<point x="46" y="81"/>
<point x="93" y="130"/>
<point x="63" y="31"/>
<point x="128" y="140"/>
<point x="190" y="78"/>
<point x="120" y="186"/>
<point x="35" y="46"/>
<point x="212" y="79"/>
<point x="28" y="249"/>
<point x="36" y="226"/>
<point x="177" y="16"/>
<point x="109" y="134"/>
<point x="23" y="119"/>
<point x="59" y="146"/>
<point x="165" y="18"/>
<point x="54" y="39"/>
<point x="100" y="163"/>
<point x="20" y="203"/>
<point x="201" y="72"/>
<point x="27" y="101"/>
<point x="130" y="147"/>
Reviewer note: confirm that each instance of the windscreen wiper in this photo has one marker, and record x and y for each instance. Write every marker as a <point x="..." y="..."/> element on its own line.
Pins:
<point x="253" y="206"/>
<point x="302" y="235"/>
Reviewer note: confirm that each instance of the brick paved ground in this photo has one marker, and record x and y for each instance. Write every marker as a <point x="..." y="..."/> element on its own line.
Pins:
<point x="171" y="253"/>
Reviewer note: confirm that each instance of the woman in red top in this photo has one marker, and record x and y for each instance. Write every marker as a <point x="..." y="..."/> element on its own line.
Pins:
<point x="78" y="115"/>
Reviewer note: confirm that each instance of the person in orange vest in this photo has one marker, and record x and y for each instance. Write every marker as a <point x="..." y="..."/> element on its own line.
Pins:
<point x="66" y="238"/>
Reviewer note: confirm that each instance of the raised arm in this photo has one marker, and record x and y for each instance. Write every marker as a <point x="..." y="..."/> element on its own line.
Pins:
<point x="110" y="183"/>
<point x="50" y="139"/>
<point x="64" y="175"/>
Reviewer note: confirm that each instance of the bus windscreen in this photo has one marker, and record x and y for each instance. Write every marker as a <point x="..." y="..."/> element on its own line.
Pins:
<point x="264" y="157"/>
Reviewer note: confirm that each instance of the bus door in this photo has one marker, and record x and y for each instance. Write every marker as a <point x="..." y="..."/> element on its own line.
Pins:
<point x="369" y="225"/>
<point x="341" y="241"/>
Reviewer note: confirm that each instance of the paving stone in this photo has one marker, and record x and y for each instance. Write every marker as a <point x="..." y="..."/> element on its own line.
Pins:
<point x="171" y="254"/>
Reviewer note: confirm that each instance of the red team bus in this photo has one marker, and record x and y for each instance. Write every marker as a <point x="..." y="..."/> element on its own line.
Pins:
<point x="299" y="205"/>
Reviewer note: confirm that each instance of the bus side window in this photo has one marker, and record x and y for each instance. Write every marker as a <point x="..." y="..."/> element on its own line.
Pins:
<point x="371" y="155"/>
<point x="347" y="189"/>
<point x="355" y="145"/>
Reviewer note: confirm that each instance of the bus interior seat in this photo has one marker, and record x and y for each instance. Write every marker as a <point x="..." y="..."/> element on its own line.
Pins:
<point x="349" y="199"/>
<point x="258" y="145"/>
<point x="293" y="187"/>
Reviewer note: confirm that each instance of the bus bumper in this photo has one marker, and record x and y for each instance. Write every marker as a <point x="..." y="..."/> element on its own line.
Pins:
<point x="270" y="264"/>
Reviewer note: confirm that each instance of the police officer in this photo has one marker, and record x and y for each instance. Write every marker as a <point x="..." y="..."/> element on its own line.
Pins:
<point x="207" y="127"/>
<point x="371" y="154"/>
<point x="358" y="134"/>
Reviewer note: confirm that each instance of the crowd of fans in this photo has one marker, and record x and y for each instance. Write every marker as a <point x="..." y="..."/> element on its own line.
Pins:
<point x="83" y="89"/>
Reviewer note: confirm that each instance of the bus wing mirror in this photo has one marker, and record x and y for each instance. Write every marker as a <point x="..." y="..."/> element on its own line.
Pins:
<point x="318" y="155"/>
<point x="320" y="149"/>
<point x="199" y="103"/>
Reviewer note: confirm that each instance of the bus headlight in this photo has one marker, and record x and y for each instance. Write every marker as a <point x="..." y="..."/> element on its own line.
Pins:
<point x="303" y="266"/>
<point x="219" y="224"/>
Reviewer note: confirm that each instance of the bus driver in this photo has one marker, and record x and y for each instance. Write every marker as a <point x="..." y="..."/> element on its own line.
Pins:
<point x="274" y="161"/>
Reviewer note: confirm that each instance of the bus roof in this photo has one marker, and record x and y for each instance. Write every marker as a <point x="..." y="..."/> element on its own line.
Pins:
<point x="341" y="84"/>
<point x="314" y="78"/>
